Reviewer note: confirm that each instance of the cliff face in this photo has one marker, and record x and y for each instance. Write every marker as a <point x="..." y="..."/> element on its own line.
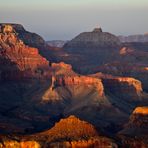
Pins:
<point x="129" y="89"/>
<point x="127" y="69"/>
<point x="73" y="89"/>
<point x="135" y="132"/>
<point x="21" y="68"/>
<point x="31" y="39"/>
<point x="13" y="50"/>
<point x="72" y="83"/>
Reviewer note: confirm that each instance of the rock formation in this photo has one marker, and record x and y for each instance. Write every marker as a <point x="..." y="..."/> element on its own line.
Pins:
<point x="93" y="39"/>
<point x="52" y="91"/>
<point x="31" y="39"/>
<point x="13" y="49"/>
<point x="88" y="50"/>
<point x="124" y="88"/>
<point x="68" y="133"/>
<point x="127" y="69"/>
<point x="135" y="132"/>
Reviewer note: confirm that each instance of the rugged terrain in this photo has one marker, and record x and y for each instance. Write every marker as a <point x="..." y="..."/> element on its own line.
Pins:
<point x="135" y="131"/>
<point x="36" y="93"/>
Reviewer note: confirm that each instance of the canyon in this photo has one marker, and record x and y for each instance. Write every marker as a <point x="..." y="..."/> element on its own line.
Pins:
<point x="92" y="92"/>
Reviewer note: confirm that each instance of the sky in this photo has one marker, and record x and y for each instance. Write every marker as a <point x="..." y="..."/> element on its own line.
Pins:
<point x="64" y="19"/>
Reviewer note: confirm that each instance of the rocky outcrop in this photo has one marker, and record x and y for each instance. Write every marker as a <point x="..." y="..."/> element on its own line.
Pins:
<point x="126" y="88"/>
<point x="135" y="132"/>
<point x="63" y="77"/>
<point x="64" y="129"/>
<point x="71" y="83"/>
<point x="93" y="39"/>
<point x="82" y="96"/>
<point x="13" y="50"/>
<point x="125" y="69"/>
<point x="139" y="118"/>
<point x="73" y="132"/>
<point x="31" y="39"/>
<point x="70" y="132"/>
<point x="62" y="69"/>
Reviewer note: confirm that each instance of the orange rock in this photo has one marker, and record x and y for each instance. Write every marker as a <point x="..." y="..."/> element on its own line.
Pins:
<point x="141" y="110"/>
<point x="24" y="57"/>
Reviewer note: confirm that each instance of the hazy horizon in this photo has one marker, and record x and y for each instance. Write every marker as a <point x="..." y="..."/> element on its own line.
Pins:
<point x="64" y="19"/>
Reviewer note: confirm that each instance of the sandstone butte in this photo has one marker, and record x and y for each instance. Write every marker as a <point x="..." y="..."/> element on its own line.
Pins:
<point x="96" y="38"/>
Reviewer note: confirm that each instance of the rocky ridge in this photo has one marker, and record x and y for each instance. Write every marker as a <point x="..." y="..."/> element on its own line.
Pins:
<point x="85" y="136"/>
<point x="103" y="100"/>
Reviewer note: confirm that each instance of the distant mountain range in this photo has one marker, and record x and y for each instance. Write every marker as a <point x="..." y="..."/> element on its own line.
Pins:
<point x="134" y="38"/>
<point x="124" y="39"/>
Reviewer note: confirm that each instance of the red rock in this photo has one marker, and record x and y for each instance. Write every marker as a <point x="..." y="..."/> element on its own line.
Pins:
<point x="126" y="88"/>
<point x="24" y="57"/>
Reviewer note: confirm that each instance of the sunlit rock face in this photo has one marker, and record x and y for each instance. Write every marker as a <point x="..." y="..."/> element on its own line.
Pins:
<point x="72" y="83"/>
<point x="139" y="118"/>
<point x="31" y="39"/>
<point x="21" y="69"/>
<point x="141" y="110"/>
<point x="11" y="143"/>
<point x="63" y="76"/>
<point x="73" y="132"/>
<point x="135" y="131"/>
<point x="68" y="133"/>
<point x="124" y="88"/>
<point x="136" y="71"/>
<point x="80" y="95"/>
<point x="16" y="52"/>
<point x="32" y="105"/>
